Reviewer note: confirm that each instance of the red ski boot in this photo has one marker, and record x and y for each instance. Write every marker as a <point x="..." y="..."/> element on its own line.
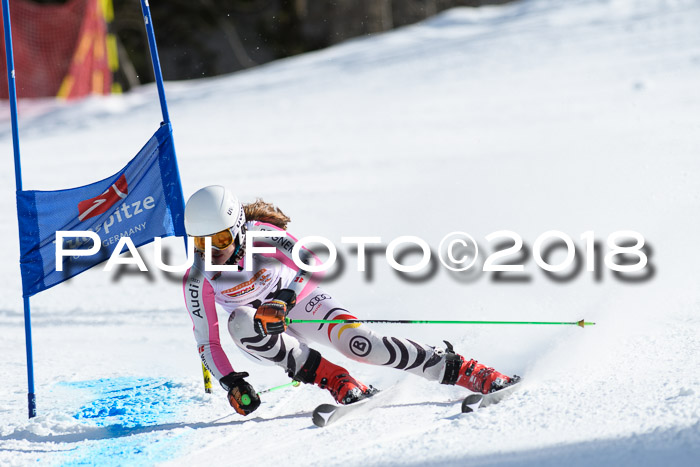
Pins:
<point x="344" y="388"/>
<point x="473" y="375"/>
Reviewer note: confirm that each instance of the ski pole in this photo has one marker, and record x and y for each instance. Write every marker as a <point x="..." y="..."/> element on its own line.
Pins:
<point x="292" y="383"/>
<point x="580" y="323"/>
<point x="245" y="398"/>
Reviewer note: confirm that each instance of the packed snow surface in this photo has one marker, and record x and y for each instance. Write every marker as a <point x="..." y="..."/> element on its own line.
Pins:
<point x="540" y="115"/>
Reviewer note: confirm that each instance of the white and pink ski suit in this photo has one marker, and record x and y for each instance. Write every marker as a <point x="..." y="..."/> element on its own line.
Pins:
<point x="239" y="293"/>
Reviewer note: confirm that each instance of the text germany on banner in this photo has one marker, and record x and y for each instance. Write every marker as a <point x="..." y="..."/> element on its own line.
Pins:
<point x="143" y="201"/>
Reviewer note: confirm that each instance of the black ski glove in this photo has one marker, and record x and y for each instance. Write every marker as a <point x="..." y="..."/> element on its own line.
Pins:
<point x="241" y="394"/>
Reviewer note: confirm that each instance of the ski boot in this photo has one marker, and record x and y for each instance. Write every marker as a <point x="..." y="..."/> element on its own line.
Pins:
<point x="344" y="388"/>
<point x="473" y="375"/>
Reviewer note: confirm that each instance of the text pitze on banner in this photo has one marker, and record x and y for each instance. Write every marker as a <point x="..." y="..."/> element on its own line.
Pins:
<point x="142" y="201"/>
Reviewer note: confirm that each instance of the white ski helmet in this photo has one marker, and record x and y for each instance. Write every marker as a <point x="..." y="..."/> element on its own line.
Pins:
<point x="213" y="209"/>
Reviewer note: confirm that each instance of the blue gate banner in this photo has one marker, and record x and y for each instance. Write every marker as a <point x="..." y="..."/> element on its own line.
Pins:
<point x="142" y="201"/>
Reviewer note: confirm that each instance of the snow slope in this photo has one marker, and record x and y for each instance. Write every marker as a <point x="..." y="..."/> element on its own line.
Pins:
<point x="576" y="116"/>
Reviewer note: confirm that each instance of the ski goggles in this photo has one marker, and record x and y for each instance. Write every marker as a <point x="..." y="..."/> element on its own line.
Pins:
<point x="220" y="240"/>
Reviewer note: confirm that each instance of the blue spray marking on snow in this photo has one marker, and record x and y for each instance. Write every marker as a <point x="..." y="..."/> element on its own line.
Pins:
<point x="130" y="402"/>
<point x="128" y="415"/>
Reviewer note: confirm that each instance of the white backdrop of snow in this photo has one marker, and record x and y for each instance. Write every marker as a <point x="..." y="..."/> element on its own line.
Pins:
<point x="576" y="116"/>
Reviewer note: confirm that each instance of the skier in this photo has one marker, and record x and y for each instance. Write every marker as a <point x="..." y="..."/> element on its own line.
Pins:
<point x="259" y="300"/>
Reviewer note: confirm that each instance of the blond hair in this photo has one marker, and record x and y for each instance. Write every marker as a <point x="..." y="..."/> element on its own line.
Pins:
<point x="261" y="211"/>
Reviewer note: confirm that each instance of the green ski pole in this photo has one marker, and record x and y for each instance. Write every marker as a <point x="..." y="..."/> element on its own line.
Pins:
<point x="293" y="383"/>
<point x="581" y="323"/>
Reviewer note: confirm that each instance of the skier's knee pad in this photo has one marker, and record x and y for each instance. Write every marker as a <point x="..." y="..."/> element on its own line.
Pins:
<point x="240" y="323"/>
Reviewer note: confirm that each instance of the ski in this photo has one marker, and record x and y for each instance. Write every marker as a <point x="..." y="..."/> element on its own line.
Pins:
<point x="474" y="402"/>
<point x="325" y="414"/>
